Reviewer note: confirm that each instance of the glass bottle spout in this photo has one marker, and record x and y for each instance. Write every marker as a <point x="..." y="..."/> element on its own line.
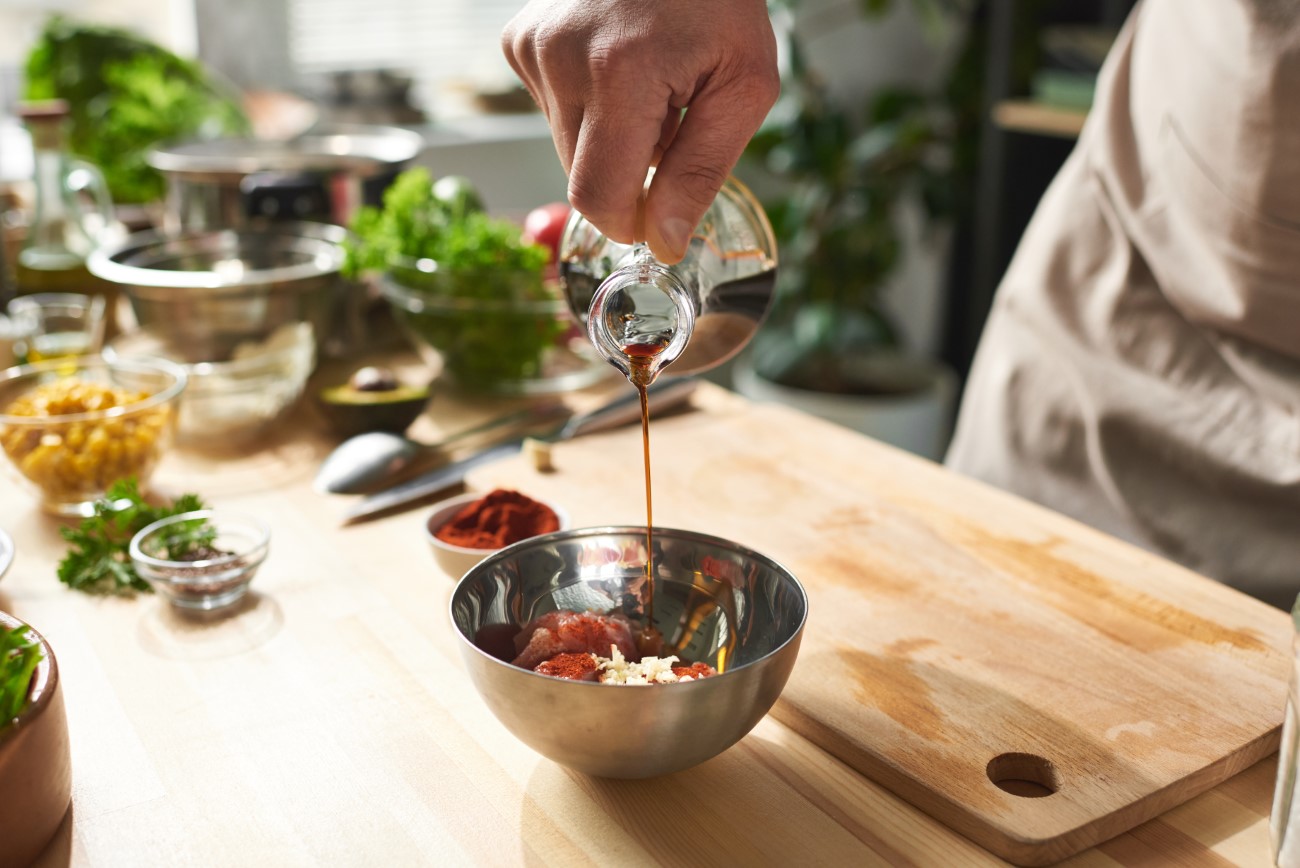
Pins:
<point x="641" y="317"/>
<point x="727" y="275"/>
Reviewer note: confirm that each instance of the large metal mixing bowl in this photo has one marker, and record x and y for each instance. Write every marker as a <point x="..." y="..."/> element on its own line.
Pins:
<point x="204" y="293"/>
<point x="325" y="174"/>
<point x="715" y="602"/>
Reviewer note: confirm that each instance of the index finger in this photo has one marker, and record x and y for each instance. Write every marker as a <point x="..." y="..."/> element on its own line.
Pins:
<point x="615" y="149"/>
<point x="713" y="134"/>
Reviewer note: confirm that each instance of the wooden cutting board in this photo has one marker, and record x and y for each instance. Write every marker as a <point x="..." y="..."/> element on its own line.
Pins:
<point x="958" y="636"/>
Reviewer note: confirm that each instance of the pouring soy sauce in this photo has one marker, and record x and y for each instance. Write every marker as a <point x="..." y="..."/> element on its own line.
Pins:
<point x="644" y="315"/>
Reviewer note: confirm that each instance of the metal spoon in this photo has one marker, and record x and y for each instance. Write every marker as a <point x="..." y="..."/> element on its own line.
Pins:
<point x="367" y="461"/>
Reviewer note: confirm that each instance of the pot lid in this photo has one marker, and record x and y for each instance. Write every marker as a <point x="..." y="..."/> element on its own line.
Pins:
<point x="354" y="148"/>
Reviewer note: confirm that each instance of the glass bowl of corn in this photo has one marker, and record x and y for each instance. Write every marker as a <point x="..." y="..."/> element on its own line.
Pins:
<point x="70" y="428"/>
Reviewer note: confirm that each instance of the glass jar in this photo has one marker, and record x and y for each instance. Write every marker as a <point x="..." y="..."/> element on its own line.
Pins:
<point x="694" y="314"/>
<point x="72" y="212"/>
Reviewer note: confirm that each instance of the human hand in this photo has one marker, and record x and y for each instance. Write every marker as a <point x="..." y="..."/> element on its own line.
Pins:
<point x="613" y="78"/>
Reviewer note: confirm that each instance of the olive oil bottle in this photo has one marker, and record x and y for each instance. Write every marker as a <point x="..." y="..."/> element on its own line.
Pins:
<point x="72" y="210"/>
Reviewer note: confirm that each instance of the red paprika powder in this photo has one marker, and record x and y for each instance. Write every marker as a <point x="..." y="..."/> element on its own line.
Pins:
<point x="498" y="519"/>
<point x="694" y="670"/>
<point x="575" y="666"/>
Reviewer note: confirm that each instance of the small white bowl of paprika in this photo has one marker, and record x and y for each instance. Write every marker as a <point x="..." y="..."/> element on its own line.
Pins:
<point x="464" y="530"/>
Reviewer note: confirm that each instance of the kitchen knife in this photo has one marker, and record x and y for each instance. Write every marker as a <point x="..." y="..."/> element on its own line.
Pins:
<point x="663" y="394"/>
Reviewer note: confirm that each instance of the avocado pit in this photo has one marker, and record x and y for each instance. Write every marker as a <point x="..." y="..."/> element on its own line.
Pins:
<point x="373" y="399"/>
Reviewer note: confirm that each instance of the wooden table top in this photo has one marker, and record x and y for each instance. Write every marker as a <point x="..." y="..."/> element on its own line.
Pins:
<point x="328" y="720"/>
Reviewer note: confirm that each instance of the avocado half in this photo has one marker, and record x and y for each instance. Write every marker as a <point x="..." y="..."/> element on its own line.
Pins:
<point x="372" y="400"/>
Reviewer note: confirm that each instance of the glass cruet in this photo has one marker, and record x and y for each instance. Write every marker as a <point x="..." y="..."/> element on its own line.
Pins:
<point x="63" y="229"/>
<point x="694" y="314"/>
<point x="641" y="316"/>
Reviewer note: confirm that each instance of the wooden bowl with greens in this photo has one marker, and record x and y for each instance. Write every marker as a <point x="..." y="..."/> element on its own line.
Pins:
<point x="35" y="764"/>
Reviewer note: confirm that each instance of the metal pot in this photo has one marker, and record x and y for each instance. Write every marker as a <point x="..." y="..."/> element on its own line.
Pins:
<point x="323" y="175"/>
<point x="205" y="293"/>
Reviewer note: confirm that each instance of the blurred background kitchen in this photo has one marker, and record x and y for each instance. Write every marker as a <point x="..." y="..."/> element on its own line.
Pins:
<point x="912" y="142"/>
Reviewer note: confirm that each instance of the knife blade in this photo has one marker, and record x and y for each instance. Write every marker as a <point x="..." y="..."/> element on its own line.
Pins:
<point x="663" y="394"/>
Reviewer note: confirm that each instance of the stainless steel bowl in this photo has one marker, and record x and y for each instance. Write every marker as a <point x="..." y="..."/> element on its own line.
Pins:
<point x="324" y="174"/>
<point x="715" y="602"/>
<point x="207" y="292"/>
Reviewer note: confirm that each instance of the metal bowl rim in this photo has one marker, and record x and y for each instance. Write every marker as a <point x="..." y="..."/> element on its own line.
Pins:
<point x="223" y="157"/>
<point x="103" y="262"/>
<point x="576" y="533"/>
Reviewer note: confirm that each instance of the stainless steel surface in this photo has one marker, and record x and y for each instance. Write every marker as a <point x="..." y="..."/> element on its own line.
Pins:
<point x="712" y="597"/>
<point x="361" y="149"/>
<point x="206" y="292"/>
<point x="368" y="461"/>
<point x="210" y="182"/>
<point x="664" y="394"/>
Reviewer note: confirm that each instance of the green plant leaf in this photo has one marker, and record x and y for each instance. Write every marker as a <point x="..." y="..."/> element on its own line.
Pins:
<point x="876" y="143"/>
<point x="19" y="655"/>
<point x="97" y="561"/>
<point x="478" y="258"/>
<point x="842" y="169"/>
<point x="125" y="95"/>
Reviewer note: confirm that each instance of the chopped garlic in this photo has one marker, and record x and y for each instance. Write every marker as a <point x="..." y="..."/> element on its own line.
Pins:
<point x="539" y="453"/>
<point x="652" y="670"/>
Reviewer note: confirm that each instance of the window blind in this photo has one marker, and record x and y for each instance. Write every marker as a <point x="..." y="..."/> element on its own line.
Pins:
<point x="437" y="42"/>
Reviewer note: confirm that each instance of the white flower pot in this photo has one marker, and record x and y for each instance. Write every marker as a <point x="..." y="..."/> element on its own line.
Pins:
<point x="919" y="421"/>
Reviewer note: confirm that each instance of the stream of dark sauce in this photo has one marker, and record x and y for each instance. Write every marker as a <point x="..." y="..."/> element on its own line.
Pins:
<point x="648" y="638"/>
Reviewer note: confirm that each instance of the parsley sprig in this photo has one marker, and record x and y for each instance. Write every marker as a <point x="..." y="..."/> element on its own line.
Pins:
<point x="98" y="562"/>
<point x="420" y="222"/>
<point x="19" y="654"/>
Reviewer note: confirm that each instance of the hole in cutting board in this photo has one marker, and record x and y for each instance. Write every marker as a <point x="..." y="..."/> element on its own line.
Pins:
<point x="1024" y="774"/>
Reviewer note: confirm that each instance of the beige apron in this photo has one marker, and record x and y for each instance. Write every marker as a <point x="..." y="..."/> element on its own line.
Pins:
<point x="1140" y="369"/>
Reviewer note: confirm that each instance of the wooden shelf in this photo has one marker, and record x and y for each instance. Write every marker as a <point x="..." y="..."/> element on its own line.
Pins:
<point x="1027" y="116"/>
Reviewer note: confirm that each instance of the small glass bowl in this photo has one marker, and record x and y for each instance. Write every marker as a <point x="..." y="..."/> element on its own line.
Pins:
<point x="455" y="561"/>
<point x="206" y="583"/>
<point x="74" y="448"/>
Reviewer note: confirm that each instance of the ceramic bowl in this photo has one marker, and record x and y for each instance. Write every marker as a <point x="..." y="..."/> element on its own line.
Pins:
<point x="455" y="561"/>
<point x="715" y="602"/>
<point x="35" y="763"/>
<point x="70" y="447"/>
<point x="213" y="580"/>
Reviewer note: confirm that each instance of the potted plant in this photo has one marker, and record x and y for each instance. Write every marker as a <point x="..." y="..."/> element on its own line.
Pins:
<point x="844" y="176"/>
<point x="35" y="764"/>
<point x="126" y="94"/>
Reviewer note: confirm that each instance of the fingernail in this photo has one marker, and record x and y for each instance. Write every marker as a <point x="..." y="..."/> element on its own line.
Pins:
<point x="676" y="234"/>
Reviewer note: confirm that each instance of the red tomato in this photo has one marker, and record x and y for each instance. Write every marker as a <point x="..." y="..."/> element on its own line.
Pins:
<point x="545" y="226"/>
